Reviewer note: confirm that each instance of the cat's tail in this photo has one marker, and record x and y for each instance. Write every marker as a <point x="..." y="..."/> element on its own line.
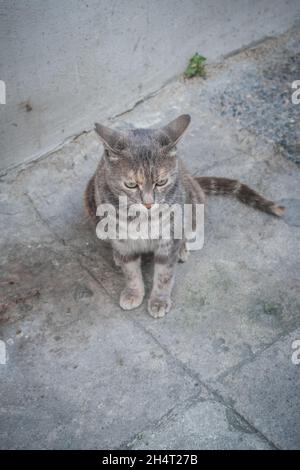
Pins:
<point x="89" y="199"/>
<point x="229" y="187"/>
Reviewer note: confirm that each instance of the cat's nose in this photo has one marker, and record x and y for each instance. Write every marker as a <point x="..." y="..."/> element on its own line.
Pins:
<point x="148" y="205"/>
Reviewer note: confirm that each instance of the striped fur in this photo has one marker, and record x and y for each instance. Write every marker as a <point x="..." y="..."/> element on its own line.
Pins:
<point x="145" y="158"/>
<point x="211" y="185"/>
<point x="230" y="187"/>
<point x="89" y="199"/>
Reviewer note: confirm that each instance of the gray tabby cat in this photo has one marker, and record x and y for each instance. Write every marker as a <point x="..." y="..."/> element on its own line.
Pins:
<point x="142" y="164"/>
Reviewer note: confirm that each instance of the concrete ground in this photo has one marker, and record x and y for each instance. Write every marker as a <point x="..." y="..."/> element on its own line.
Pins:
<point x="217" y="371"/>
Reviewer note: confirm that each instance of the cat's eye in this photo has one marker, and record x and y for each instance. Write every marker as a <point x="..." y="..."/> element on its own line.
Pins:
<point x="162" y="182"/>
<point x="130" y="184"/>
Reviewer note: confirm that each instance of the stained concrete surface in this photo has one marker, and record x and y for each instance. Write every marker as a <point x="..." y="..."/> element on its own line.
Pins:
<point x="217" y="371"/>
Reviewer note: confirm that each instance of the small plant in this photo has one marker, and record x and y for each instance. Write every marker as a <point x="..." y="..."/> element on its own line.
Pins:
<point x="196" y="66"/>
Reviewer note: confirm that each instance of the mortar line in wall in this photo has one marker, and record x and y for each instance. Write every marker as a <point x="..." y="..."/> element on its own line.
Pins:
<point x="281" y="37"/>
<point x="147" y="97"/>
<point x="23" y="166"/>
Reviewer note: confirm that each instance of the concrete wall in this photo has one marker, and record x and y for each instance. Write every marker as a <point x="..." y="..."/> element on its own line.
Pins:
<point x="67" y="63"/>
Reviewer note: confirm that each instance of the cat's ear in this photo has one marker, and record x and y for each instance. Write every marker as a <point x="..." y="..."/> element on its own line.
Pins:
<point x="175" y="129"/>
<point x="113" y="140"/>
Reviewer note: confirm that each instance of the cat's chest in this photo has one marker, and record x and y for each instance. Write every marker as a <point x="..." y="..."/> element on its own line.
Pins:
<point x="143" y="234"/>
<point x="136" y="236"/>
<point x="130" y="246"/>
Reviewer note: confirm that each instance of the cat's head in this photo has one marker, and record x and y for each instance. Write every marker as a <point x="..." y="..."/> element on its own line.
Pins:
<point x="142" y="163"/>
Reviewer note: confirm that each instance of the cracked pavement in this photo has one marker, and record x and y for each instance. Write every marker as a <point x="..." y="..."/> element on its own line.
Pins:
<point x="217" y="371"/>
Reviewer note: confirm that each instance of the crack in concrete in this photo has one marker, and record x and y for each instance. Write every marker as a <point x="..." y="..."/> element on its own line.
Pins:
<point x="256" y="355"/>
<point x="208" y="388"/>
<point x="165" y="418"/>
<point x="95" y="279"/>
<point x="44" y="221"/>
<point x="74" y="252"/>
<point x="195" y="376"/>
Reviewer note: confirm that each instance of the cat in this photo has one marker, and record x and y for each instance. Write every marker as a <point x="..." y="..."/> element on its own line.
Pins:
<point x="143" y="165"/>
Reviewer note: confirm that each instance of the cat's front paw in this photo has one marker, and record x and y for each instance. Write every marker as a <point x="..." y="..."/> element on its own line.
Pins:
<point x="131" y="298"/>
<point x="159" y="306"/>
